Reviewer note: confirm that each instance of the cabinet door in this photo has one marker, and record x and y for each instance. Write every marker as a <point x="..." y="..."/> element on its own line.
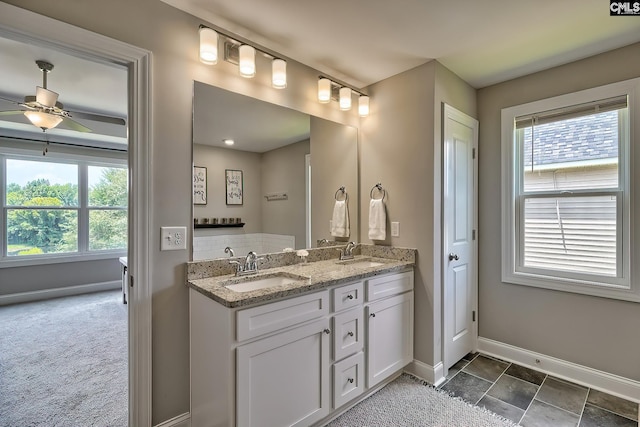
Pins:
<point x="390" y="336"/>
<point x="284" y="380"/>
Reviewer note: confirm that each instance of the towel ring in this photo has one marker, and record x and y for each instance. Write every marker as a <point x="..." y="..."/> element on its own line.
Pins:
<point x="379" y="187"/>
<point x="343" y="191"/>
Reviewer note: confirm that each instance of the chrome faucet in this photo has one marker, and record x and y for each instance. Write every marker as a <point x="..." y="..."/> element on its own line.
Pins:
<point x="250" y="265"/>
<point x="347" y="252"/>
<point x="229" y="251"/>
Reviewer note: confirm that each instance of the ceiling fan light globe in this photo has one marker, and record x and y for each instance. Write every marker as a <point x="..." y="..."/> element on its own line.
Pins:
<point x="43" y="120"/>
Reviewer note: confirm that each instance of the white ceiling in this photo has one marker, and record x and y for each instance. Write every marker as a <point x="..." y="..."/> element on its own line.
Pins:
<point x="364" y="41"/>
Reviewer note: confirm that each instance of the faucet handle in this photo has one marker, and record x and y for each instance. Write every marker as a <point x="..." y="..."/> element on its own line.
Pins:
<point x="237" y="264"/>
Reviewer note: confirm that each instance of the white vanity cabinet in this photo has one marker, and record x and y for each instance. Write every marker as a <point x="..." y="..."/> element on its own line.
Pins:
<point x="294" y="361"/>
<point x="389" y="314"/>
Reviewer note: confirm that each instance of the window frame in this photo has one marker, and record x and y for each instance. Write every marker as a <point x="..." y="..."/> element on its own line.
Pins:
<point x="83" y="158"/>
<point x="513" y="270"/>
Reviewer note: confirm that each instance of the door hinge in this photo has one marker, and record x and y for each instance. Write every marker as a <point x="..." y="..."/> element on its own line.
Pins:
<point x="473" y="153"/>
<point x="473" y="234"/>
<point x="473" y="316"/>
<point x="131" y="281"/>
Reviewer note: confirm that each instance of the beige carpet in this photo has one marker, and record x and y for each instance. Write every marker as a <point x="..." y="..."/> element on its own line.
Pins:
<point x="63" y="362"/>
<point x="408" y="402"/>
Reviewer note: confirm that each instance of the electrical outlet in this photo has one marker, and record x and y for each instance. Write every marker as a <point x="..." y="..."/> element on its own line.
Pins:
<point x="173" y="238"/>
<point x="395" y="229"/>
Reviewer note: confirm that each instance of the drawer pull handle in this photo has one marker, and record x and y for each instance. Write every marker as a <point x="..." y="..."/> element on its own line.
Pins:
<point x="372" y="315"/>
<point x="350" y="296"/>
<point x="327" y="331"/>
<point x="350" y="333"/>
<point x="350" y="380"/>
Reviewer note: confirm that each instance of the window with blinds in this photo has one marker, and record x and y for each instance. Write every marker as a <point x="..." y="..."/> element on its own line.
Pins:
<point x="568" y="197"/>
<point x="566" y="194"/>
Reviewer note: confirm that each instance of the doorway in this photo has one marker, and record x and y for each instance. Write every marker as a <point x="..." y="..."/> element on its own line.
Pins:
<point x="21" y="24"/>
<point x="460" y="188"/>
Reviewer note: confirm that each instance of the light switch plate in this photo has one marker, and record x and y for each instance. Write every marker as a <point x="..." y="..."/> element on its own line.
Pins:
<point x="173" y="238"/>
<point x="395" y="229"/>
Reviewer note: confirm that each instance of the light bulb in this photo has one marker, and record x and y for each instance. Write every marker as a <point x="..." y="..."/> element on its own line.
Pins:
<point x="345" y="98"/>
<point x="279" y="73"/>
<point x="43" y="120"/>
<point x="247" y="62"/>
<point x="324" y="90"/>
<point x="363" y="106"/>
<point x="208" y="46"/>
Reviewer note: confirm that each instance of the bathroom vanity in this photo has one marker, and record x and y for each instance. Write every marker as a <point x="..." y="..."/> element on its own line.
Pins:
<point x="297" y="344"/>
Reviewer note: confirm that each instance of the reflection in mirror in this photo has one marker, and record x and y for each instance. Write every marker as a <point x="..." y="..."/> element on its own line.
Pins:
<point x="274" y="187"/>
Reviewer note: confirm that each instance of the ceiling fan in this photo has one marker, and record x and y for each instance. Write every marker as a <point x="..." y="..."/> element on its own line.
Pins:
<point x="44" y="111"/>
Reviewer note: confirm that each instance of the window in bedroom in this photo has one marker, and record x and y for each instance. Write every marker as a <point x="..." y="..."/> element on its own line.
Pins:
<point x="566" y="202"/>
<point x="62" y="207"/>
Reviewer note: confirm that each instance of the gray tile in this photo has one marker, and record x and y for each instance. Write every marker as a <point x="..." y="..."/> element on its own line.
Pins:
<point x="457" y="367"/>
<point x="540" y="414"/>
<point x="514" y="391"/>
<point x="615" y="404"/>
<point x="467" y="387"/>
<point x="501" y="408"/>
<point x="485" y="367"/>
<point x="526" y="374"/>
<point x="570" y="397"/>
<point x="597" y="417"/>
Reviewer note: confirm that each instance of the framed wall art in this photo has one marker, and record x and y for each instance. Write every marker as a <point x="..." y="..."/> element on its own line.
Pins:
<point x="234" y="186"/>
<point x="199" y="185"/>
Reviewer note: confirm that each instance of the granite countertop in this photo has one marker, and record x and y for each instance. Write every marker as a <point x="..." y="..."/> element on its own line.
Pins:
<point x="315" y="276"/>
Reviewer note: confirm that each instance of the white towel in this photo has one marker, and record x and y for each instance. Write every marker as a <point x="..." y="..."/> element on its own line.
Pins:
<point x="377" y="220"/>
<point x="340" y="220"/>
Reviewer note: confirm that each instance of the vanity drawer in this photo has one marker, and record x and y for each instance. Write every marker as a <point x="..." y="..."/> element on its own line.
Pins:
<point x="256" y="321"/>
<point x="348" y="296"/>
<point x="348" y="379"/>
<point x="388" y="285"/>
<point x="348" y="333"/>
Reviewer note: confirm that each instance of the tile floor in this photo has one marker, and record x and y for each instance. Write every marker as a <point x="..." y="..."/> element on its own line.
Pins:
<point x="535" y="399"/>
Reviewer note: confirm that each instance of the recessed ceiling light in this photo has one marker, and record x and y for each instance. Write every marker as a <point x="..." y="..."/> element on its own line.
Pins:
<point x="228" y="141"/>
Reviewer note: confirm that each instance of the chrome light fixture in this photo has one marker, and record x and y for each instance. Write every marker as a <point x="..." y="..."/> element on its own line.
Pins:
<point x="279" y="73"/>
<point x="208" y="46"/>
<point x="328" y="90"/>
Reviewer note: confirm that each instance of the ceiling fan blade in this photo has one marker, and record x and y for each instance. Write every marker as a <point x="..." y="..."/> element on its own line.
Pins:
<point x="73" y="125"/>
<point x="13" y="101"/>
<point x="98" y="118"/>
<point x="11" y="113"/>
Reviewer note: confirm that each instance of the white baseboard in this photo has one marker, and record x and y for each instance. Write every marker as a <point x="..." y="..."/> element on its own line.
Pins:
<point x="183" y="420"/>
<point x="431" y="374"/>
<point x="58" y="292"/>
<point x="599" y="380"/>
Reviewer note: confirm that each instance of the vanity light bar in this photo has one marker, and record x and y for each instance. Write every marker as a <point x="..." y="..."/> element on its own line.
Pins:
<point x="328" y="90"/>
<point x="241" y="54"/>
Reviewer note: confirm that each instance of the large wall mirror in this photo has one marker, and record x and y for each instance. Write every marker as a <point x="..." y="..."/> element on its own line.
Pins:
<point x="276" y="187"/>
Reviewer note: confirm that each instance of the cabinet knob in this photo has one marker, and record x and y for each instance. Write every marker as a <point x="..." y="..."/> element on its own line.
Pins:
<point x="327" y="331"/>
<point x="350" y="296"/>
<point x="350" y="333"/>
<point x="372" y="315"/>
<point x="350" y="380"/>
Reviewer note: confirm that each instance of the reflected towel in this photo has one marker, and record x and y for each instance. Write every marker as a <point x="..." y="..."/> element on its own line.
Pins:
<point x="340" y="219"/>
<point x="377" y="220"/>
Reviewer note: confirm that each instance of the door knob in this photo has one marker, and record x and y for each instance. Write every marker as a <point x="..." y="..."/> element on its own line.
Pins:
<point x="453" y="256"/>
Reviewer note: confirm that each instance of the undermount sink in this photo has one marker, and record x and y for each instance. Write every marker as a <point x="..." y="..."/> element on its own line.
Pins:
<point x="361" y="262"/>
<point x="254" y="283"/>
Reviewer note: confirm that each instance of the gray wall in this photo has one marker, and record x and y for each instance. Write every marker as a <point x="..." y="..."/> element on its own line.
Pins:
<point x="216" y="160"/>
<point x="283" y="170"/>
<point x="401" y="148"/>
<point x="172" y="36"/>
<point x="596" y="332"/>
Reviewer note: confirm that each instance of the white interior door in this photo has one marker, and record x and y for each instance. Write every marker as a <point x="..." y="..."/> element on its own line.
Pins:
<point x="459" y="240"/>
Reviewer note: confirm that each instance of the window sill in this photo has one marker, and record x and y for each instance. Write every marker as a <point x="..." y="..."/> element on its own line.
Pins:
<point x="26" y="261"/>
<point x="573" y="286"/>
